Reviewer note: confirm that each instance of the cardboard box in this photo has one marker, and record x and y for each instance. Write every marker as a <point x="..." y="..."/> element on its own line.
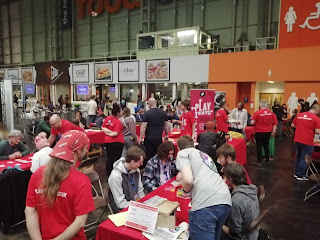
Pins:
<point x="167" y="214"/>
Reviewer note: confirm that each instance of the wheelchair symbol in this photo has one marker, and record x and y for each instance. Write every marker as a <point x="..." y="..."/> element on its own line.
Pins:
<point x="314" y="15"/>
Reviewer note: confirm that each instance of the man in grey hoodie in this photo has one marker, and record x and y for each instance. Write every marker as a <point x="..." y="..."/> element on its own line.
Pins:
<point x="245" y="205"/>
<point x="125" y="180"/>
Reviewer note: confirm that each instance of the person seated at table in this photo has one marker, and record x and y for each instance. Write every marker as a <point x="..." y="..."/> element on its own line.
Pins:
<point x="60" y="126"/>
<point x="44" y="125"/>
<point x="129" y="130"/>
<point x="41" y="157"/>
<point x="100" y="120"/>
<point x="245" y="205"/>
<point x="13" y="148"/>
<point x="82" y="120"/>
<point x="187" y="121"/>
<point x="59" y="197"/>
<point x="160" y="168"/>
<point x="125" y="180"/>
<point x="226" y="155"/>
<point x="139" y="115"/>
<point x="211" y="199"/>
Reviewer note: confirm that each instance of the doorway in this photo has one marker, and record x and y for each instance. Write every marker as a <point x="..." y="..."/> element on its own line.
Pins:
<point x="271" y="98"/>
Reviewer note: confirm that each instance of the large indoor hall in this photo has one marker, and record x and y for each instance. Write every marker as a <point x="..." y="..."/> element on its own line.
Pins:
<point x="159" y="119"/>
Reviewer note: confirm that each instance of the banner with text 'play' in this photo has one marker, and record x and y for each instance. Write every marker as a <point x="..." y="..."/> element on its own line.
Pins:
<point x="202" y="107"/>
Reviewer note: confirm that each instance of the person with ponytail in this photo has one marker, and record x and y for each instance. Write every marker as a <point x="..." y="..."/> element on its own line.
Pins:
<point x="59" y="197"/>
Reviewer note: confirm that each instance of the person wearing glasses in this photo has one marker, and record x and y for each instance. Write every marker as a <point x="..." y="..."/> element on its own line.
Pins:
<point x="13" y="147"/>
<point x="160" y="168"/>
<point x="60" y="126"/>
<point x="125" y="180"/>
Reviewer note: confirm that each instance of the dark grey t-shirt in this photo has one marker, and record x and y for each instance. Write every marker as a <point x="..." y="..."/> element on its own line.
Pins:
<point x="156" y="119"/>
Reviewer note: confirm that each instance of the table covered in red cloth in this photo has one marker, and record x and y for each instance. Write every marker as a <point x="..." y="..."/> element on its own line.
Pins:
<point x="241" y="150"/>
<point x="95" y="136"/>
<point x="250" y="131"/>
<point x="107" y="230"/>
<point x="11" y="163"/>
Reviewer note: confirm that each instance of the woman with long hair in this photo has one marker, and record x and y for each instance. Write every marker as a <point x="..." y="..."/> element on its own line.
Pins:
<point x="129" y="130"/>
<point x="59" y="197"/>
<point x="112" y="127"/>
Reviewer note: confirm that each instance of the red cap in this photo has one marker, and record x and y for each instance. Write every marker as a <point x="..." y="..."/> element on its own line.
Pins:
<point x="69" y="142"/>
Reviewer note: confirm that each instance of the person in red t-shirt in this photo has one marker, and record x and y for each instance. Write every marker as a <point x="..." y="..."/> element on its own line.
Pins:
<point x="60" y="126"/>
<point x="227" y="155"/>
<point x="222" y="117"/>
<point x="265" y="123"/>
<point x="114" y="139"/>
<point x="187" y="121"/>
<point x="306" y="124"/>
<point x="59" y="197"/>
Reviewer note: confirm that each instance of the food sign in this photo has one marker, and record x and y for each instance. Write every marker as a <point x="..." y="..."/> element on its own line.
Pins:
<point x="103" y="72"/>
<point x="158" y="70"/>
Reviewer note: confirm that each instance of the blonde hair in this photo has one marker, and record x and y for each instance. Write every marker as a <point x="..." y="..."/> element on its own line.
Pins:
<point x="55" y="173"/>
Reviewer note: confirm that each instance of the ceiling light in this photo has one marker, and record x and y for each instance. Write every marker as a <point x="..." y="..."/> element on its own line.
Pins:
<point x="270" y="81"/>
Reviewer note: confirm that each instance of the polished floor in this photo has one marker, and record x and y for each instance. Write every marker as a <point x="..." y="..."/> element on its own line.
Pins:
<point x="289" y="217"/>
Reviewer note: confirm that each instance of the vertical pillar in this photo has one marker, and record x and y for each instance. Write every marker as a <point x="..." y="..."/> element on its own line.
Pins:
<point x="93" y="89"/>
<point x="144" y="90"/>
<point x="117" y="92"/>
<point x="174" y="91"/>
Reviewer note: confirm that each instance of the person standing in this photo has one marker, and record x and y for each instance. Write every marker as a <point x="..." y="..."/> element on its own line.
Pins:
<point x="59" y="197"/>
<point x="60" y="101"/>
<point x="278" y="111"/>
<point x="154" y="122"/>
<point x="92" y="109"/>
<point x="240" y="117"/>
<point x="129" y="130"/>
<point x="306" y="125"/>
<point x="113" y="128"/>
<point x="265" y="123"/>
<point x="222" y="117"/>
<point x="123" y="102"/>
<point x="187" y="122"/>
<point x="211" y="199"/>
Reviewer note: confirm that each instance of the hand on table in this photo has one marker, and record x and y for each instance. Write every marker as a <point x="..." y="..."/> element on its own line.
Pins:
<point x="12" y="156"/>
<point x="17" y="154"/>
<point x="179" y="177"/>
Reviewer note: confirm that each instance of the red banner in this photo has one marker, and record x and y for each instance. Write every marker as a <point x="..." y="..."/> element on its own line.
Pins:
<point x="202" y="107"/>
<point x="299" y="23"/>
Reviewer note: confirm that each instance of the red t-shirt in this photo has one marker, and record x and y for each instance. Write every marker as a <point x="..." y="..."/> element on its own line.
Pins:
<point x="306" y="123"/>
<point x="187" y="120"/>
<point x="265" y="120"/>
<point x="74" y="198"/>
<point x="221" y="119"/>
<point x="65" y="127"/>
<point x="115" y="125"/>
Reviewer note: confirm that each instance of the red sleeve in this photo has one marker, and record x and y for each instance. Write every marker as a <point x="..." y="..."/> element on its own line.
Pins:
<point x="254" y="117"/>
<point x="31" y="194"/>
<point x="83" y="203"/>
<point x="104" y="124"/>
<point x="118" y="126"/>
<point x="191" y="118"/>
<point x="225" y="116"/>
<point x="54" y="132"/>
<point x="75" y="127"/>
<point x="274" y="118"/>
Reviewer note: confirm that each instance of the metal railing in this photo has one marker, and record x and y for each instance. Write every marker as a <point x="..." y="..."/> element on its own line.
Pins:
<point x="119" y="55"/>
<point x="266" y="43"/>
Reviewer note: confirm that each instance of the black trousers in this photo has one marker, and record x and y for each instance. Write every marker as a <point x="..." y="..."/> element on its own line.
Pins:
<point x="151" y="145"/>
<point x="114" y="151"/>
<point x="262" y="140"/>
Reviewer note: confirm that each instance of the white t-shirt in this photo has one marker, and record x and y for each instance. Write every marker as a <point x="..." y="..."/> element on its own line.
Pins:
<point x="92" y="107"/>
<point x="40" y="158"/>
<point x="208" y="187"/>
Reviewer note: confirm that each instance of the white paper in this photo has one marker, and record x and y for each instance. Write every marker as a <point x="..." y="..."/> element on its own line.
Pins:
<point x="20" y="160"/>
<point x="168" y="234"/>
<point x="18" y="164"/>
<point x="2" y="165"/>
<point x="142" y="217"/>
<point x="154" y="201"/>
<point x="10" y="162"/>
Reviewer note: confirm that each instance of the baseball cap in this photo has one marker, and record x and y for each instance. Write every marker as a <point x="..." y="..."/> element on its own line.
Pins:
<point x="15" y="133"/>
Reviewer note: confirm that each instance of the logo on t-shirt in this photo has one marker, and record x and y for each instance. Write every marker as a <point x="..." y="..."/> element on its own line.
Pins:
<point x="305" y="117"/>
<point x="265" y="114"/>
<point x="208" y="161"/>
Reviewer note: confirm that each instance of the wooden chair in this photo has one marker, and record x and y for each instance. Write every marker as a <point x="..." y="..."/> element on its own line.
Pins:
<point x="88" y="164"/>
<point x="255" y="223"/>
<point x="261" y="193"/>
<point x="316" y="188"/>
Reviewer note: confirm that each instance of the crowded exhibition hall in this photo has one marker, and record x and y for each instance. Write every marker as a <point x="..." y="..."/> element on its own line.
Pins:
<point x="159" y="119"/>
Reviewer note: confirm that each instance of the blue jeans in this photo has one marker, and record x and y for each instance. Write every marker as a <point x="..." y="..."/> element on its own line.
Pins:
<point x="92" y="118"/>
<point x="206" y="223"/>
<point x="300" y="164"/>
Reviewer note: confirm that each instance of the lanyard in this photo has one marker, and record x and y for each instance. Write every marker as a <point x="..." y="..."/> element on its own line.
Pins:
<point x="131" y="179"/>
<point x="164" y="167"/>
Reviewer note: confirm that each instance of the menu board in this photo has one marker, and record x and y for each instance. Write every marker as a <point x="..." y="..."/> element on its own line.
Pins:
<point x="103" y="72"/>
<point x="13" y="73"/>
<point x="82" y="89"/>
<point x="128" y="71"/>
<point x="27" y="75"/>
<point x="158" y="70"/>
<point x="80" y="73"/>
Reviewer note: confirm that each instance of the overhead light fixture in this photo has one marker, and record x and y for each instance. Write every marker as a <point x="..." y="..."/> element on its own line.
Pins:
<point x="270" y="81"/>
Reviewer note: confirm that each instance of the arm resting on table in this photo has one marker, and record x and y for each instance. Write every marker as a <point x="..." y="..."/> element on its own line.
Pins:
<point x="23" y="149"/>
<point x="74" y="228"/>
<point x="32" y="220"/>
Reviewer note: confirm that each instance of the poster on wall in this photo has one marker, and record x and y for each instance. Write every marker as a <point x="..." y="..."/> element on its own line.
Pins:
<point x="27" y="75"/>
<point x="53" y="73"/>
<point x="202" y="107"/>
<point x="103" y="72"/>
<point x="80" y="73"/>
<point x="218" y="98"/>
<point x="13" y="73"/>
<point x="1" y="75"/>
<point x="29" y="89"/>
<point x="83" y="89"/>
<point x="128" y="71"/>
<point x="158" y="70"/>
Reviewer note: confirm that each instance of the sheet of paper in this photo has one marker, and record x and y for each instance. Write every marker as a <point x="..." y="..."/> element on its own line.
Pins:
<point x="119" y="219"/>
<point x="10" y="162"/>
<point x="168" y="234"/>
<point x="2" y="165"/>
<point x="23" y="161"/>
<point x="142" y="217"/>
<point x="154" y="201"/>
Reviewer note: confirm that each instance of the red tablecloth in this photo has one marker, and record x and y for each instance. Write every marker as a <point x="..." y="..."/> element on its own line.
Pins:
<point x="241" y="150"/>
<point x="95" y="136"/>
<point x="250" y="131"/>
<point x="11" y="163"/>
<point x="107" y="230"/>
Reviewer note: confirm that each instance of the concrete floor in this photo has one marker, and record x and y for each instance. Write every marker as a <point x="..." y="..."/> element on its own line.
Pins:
<point x="289" y="218"/>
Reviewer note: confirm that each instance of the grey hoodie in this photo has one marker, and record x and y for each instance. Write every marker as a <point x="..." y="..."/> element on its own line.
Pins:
<point x="244" y="210"/>
<point x="121" y="185"/>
